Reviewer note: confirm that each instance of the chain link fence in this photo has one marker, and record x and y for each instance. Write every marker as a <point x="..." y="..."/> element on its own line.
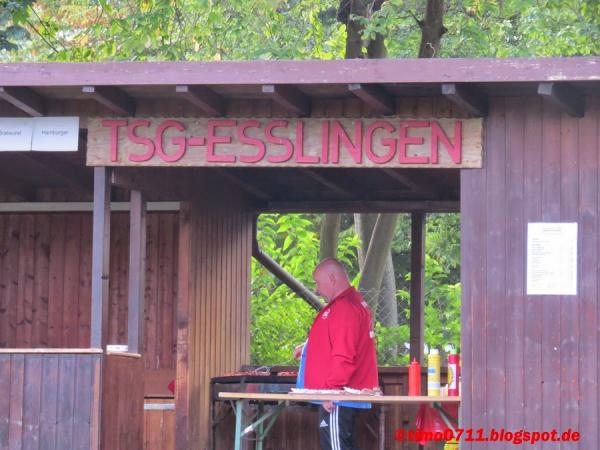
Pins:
<point x="391" y="319"/>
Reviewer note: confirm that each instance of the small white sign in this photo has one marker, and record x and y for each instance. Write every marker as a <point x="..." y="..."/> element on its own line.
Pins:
<point x="117" y="348"/>
<point x="15" y="134"/>
<point x="55" y="134"/>
<point x="552" y="259"/>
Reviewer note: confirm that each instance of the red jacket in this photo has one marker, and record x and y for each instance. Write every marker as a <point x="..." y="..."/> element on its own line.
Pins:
<point x="341" y="346"/>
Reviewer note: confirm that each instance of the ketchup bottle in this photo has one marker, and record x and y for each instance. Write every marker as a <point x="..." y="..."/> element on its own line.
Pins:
<point x="414" y="378"/>
<point x="453" y="372"/>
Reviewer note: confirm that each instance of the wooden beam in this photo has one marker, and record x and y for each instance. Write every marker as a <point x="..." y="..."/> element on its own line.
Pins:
<point x="73" y="175"/>
<point x="16" y="186"/>
<point x="113" y="98"/>
<point x="125" y="180"/>
<point x="417" y="285"/>
<point x="466" y="98"/>
<point x="137" y="271"/>
<point x="203" y="98"/>
<point x="284" y="276"/>
<point x="409" y="181"/>
<point x="131" y="180"/>
<point x="27" y="100"/>
<point x="566" y="97"/>
<point x="341" y="72"/>
<point x="373" y="206"/>
<point x="288" y="97"/>
<point x="374" y="96"/>
<point x="326" y="182"/>
<point x="56" y="207"/>
<point x="243" y="184"/>
<point x="100" y="257"/>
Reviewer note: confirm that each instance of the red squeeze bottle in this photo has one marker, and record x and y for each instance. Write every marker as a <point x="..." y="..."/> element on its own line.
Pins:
<point x="453" y="373"/>
<point x="414" y="378"/>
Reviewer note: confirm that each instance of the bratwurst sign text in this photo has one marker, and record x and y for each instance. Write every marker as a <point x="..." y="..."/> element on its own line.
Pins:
<point x="394" y="142"/>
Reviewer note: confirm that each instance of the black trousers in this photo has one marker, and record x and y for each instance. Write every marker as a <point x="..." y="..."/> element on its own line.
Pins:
<point x="336" y="430"/>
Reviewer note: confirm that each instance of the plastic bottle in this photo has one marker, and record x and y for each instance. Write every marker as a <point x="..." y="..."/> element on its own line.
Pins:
<point x="453" y="373"/>
<point x="433" y="373"/>
<point x="451" y="445"/>
<point x="414" y="378"/>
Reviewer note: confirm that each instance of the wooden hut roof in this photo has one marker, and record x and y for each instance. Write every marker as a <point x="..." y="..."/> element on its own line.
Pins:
<point x="160" y="88"/>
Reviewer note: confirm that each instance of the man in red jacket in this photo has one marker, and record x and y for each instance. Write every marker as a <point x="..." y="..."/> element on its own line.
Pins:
<point x="339" y="352"/>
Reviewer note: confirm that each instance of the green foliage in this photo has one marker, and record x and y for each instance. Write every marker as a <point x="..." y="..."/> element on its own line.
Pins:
<point x="73" y="30"/>
<point x="442" y="288"/>
<point x="495" y="28"/>
<point x="391" y="344"/>
<point x="13" y="14"/>
<point x="69" y="30"/>
<point x="280" y="320"/>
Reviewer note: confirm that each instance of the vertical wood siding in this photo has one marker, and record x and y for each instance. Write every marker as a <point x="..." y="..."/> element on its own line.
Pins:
<point x="530" y="361"/>
<point x="214" y="321"/>
<point x="45" y="283"/>
<point x="49" y="401"/>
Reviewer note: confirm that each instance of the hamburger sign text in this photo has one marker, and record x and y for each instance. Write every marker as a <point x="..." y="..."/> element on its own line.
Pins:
<point x="431" y="143"/>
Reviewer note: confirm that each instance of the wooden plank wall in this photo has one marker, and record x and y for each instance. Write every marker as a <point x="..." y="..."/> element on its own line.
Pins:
<point x="45" y="282"/>
<point x="122" y="402"/>
<point x="530" y="361"/>
<point x="213" y="318"/>
<point x="159" y="425"/>
<point x="49" y="401"/>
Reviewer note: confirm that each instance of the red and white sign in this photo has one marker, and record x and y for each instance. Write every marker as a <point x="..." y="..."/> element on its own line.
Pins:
<point x="443" y="143"/>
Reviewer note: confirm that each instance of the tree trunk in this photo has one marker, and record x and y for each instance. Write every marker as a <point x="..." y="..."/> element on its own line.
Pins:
<point x="385" y="305"/>
<point x="387" y="313"/>
<point x="432" y="29"/>
<point x="377" y="256"/>
<point x="382" y="296"/>
<point x="330" y="230"/>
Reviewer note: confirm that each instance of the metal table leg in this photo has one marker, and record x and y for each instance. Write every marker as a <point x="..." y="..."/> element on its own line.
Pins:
<point x="260" y="428"/>
<point x="258" y="425"/>
<point x="238" y="424"/>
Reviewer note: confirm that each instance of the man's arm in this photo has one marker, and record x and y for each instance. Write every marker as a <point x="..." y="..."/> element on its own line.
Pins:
<point x="298" y="350"/>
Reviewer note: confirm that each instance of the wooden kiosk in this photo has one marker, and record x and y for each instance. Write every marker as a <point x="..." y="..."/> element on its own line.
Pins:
<point x="143" y="235"/>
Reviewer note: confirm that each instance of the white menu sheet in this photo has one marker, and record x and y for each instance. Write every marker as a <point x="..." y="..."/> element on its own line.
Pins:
<point x="551" y="258"/>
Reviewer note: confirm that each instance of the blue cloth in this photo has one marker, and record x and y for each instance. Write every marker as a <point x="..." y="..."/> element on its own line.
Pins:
<point x="300" y="385"/>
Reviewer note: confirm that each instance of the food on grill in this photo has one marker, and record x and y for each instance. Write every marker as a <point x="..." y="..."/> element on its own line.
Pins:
<point x="315" y="391"/>
<point x="363" y="391"/>
<point x="252" y="373"/>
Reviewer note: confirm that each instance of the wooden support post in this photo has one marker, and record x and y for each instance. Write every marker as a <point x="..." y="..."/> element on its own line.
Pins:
<point x="100" y="257"/>
<point x="417" y="285"/>
<point x="137" y="271"/>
